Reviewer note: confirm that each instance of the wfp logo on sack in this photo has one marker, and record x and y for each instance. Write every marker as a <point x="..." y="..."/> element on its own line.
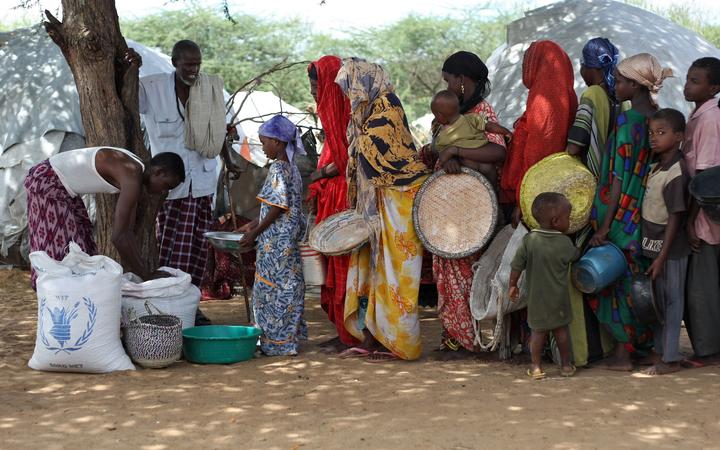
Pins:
<point x="65" y="324"/>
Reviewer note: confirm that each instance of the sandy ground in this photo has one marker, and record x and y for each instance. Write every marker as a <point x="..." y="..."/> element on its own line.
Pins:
<point x="319" y="401"/>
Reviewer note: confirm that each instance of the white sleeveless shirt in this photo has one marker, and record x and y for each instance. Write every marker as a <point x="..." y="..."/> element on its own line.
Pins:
<point x="78" y="174"/>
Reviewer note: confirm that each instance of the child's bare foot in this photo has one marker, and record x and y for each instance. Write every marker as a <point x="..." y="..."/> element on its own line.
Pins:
<point x="662" y="368"/>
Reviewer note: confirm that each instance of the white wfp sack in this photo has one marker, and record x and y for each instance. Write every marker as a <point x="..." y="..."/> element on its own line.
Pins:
<point x="78" y="327"/>
<point x="492" y="274"/>
<point x="175" y="295"/>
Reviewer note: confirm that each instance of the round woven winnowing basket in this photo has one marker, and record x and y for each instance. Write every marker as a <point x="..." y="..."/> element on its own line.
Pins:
<point x="455" y="214"/>
<point x="561" y="173"/>
<point x="339" y="234"/>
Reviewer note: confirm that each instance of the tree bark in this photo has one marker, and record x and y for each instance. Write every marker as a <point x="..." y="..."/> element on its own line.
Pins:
<point x="90" y="39"/>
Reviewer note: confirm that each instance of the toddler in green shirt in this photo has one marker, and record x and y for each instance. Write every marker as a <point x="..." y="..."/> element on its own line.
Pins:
<point x="545" y="254"/>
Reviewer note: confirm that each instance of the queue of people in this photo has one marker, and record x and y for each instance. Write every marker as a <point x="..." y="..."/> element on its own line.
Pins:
<point x="642" y="156"/>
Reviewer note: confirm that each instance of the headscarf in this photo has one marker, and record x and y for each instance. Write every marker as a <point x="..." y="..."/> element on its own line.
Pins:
<point x="550" y="111"/>
<point x="600" y="53"/>
<point x="362" y="82"/>
<point x="645" y="69"/>
<point x="282" y="129"/>
<point x="381" y="150"/>
<point x="469" y="65"/>
<point x="333" y="108"/>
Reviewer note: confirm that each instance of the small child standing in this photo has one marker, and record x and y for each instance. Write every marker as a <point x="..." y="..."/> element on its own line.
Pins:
<point x="663" y="236"/>
<point x="461" y="131"/>
<point x="702" y="151"/>
<point x="545" y="255"/>
<point x="279" y="290"/>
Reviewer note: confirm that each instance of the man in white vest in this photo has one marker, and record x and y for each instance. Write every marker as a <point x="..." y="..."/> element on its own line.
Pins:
<point x="184" y="113"/>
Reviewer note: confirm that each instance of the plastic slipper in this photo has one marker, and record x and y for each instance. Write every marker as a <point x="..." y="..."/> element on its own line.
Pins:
<point x="568" y="373"/>
<point x="536" y="375"/>
<point x="692" y="364"/>
<point x="354" y="352"/>
<point x="378" y="357"/>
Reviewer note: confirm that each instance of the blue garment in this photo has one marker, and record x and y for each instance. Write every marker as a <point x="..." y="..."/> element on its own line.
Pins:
<point x="600" y="53"/>
<point x="279" y="289"/>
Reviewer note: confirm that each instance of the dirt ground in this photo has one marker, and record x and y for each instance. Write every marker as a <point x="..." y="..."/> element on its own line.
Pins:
<point x="316" y="400"/>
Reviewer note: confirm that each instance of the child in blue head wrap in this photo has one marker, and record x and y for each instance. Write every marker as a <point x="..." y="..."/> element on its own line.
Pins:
<point x="279" y="289"/>
<point x="598" y="107"/>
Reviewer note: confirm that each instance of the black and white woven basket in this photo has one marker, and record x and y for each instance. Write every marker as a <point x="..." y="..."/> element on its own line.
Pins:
<point x="153" y="341"/>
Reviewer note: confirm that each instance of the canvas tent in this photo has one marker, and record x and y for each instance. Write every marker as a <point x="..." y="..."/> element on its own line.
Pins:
<point x="571" y="24"/>
<point x="39" y="115"/>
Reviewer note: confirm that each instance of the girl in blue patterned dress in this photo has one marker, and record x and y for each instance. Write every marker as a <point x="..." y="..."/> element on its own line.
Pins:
<point x="279" y="290"/>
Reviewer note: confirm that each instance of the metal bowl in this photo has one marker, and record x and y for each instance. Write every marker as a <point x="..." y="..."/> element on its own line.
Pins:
<point x="644" y="307"/>
<point x="226" y="241"/>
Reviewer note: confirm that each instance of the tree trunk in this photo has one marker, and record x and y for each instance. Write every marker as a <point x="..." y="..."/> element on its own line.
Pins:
<point x="90" y="39"/>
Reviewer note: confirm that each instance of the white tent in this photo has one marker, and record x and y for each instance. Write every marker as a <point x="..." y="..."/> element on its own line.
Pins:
<point x="571" y="24"/>
<point x="39" y="114"/>
<point x="255" y="108"/>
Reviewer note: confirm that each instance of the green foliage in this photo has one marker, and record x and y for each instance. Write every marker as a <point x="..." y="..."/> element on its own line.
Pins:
<point x="412" y="49"/>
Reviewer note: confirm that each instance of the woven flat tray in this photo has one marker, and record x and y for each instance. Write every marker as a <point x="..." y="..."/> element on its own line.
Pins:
<point x="339" y="234"/>
<point x="561" y="173"/>
<point x="455" y="215"/>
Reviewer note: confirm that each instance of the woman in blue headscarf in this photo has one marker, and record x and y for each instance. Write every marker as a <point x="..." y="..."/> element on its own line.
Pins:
<point x="279" y="289"/>
<point x="598" y="107"/>
<point x="587" y="139"/>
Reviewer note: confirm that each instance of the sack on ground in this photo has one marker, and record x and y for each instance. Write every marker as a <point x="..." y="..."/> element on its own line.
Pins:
<point x="174" y="295"/>
<point x="78" y="327"/>
<point x="492" y="274"/>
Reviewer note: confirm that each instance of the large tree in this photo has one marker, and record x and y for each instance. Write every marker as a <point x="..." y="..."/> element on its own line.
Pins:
<point x="90" y="39"/>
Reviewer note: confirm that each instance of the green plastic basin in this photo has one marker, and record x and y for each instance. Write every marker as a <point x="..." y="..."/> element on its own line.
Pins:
<point x="220" y="344"/>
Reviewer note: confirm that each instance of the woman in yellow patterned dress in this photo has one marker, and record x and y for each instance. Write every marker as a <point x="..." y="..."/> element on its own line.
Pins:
<point x="384" y="173"/>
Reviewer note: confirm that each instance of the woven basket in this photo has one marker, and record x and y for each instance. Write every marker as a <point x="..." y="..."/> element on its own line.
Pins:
<point x="455" y="215"/>
<point x="561" y="173"/>
<point x="339" y="234"/>
<point x="154" y="341"/>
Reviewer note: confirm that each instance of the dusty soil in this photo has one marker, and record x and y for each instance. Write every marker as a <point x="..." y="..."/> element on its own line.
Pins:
<point x="319" y="401"/>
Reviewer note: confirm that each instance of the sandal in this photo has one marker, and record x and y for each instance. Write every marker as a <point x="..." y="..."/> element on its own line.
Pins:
<point x="354" y="352"/>
<point x="379" y="357"/>
<point x="568" y="372"/>
<point x="536" y="375"/>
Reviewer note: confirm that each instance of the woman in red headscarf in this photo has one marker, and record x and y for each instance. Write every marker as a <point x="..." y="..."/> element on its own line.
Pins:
<point x="550" y="111"/>
<point x="329" y="186"/>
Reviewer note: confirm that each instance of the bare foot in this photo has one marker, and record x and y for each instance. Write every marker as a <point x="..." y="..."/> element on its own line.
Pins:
<point x="618" y="365"/>
<point x="662" y="368"/>
<point x="649" y="360"/>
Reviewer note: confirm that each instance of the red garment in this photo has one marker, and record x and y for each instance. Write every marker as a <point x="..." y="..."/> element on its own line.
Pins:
<point x="550" y="111"/>
<point x="454" y="276"/>
<point x="333" y="108"/>
<point x="54" y="217"/>
<point x="222" y="269"/>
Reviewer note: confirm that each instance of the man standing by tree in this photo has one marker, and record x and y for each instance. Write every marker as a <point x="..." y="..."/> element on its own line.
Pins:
<point x="185" y="113"/>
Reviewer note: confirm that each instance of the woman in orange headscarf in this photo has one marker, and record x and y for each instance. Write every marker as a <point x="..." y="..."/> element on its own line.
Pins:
<point x="550" y="111"/>
<point x="329" y="186"/>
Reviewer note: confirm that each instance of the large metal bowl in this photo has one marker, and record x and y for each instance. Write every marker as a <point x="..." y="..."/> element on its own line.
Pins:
<point x="226" y="241"/>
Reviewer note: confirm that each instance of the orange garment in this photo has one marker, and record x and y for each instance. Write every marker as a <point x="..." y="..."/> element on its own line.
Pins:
<point x="549" y="113"/>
